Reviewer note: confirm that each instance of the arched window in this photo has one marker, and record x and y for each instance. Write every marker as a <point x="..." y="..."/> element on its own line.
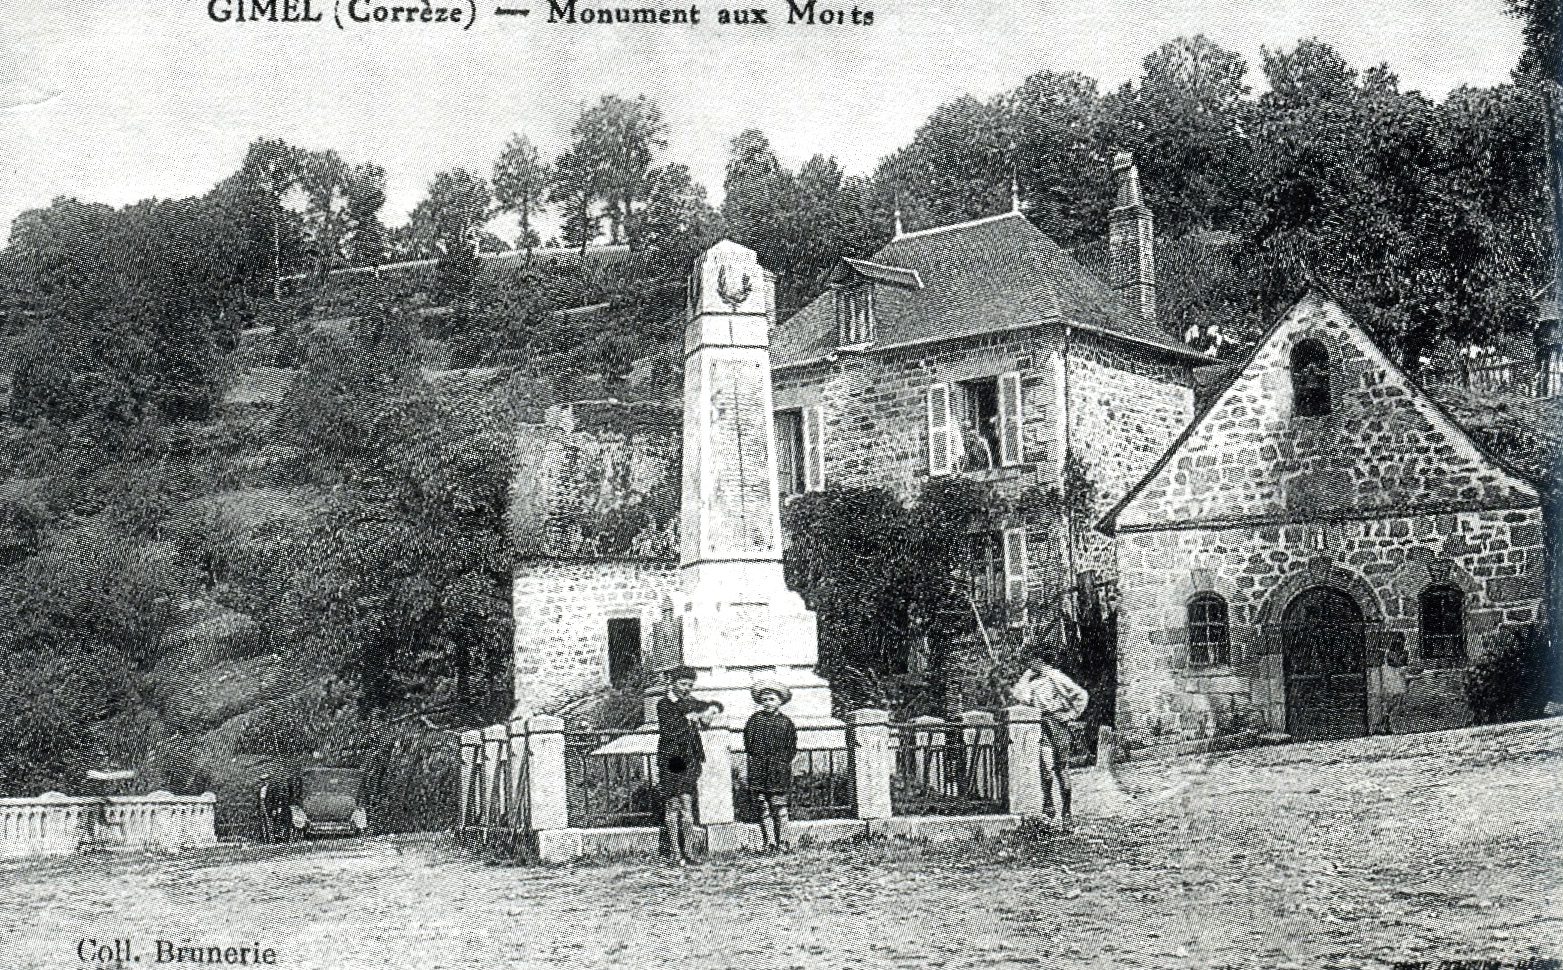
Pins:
<point x="1310" y="379"/>
<point x="1443" y="624"/>
<point x="1209" y="640"/>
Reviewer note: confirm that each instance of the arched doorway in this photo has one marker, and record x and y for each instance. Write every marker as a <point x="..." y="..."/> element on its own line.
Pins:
<point x="1324" y="645"/>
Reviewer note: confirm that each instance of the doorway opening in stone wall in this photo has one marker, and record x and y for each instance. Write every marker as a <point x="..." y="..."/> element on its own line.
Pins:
<point x="1324" y="649"/>
<point x="623" y="649"/>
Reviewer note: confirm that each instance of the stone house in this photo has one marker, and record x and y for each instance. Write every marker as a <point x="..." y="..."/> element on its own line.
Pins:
<point x="984" y="350"/>
<point x="1321" y="511"/>
<point x="595" y="526"/>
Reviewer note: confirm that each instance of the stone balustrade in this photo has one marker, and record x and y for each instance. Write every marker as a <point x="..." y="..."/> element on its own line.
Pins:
<point x="53" y="823"/>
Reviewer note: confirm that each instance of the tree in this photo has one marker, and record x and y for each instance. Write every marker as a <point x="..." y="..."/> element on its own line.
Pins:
<point x="799" y="225"/>
<point x="618" y="140"/>
<point x="521" y="180"/>
<point x="126" y="308"/>
<point x="1187" y="124"/>
<point x="576" y="185"/>
<point x="456" y="206"/>
<point x="676" y="222"/>
<point x="1346" y="199"/>
<point x="364" y="241"/>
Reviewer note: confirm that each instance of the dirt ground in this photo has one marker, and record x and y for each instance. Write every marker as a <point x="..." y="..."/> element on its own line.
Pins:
<point x="1364" y="853"/>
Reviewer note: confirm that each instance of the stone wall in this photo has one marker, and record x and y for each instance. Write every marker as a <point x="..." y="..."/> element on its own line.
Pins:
<point x="599" y="478"/>
<point x="1495" y="557"/>
<point x="1382" y="447"/>
<point x="1126" y="409"/>
<point x="562" y="609"/>
<point x="876" y="405"/>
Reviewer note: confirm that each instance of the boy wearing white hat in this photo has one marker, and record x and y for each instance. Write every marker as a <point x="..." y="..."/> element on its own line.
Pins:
<point x="771" y="744"/>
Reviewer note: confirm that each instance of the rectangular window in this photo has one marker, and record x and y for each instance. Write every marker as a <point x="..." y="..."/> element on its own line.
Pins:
<point x="979" y="424"/>
<point x="623" y="650"/>
<point x="985" y="567"/>
<point x="1209" y="636"/>
<point x="855" y="315"/>
<point x="789" y="452"/>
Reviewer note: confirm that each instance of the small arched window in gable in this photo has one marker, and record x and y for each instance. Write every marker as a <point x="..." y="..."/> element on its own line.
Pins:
<point x="1310" y="378"/>
<point x="1443" y="624"/>
<point x="1210" y="641"/>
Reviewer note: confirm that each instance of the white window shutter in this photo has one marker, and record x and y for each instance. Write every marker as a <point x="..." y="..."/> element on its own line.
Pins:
<point x="941" y="456"/>
<point x="813" y="449"/>
<point x="1011" y="447"/>
<point x="1015" y="575"/>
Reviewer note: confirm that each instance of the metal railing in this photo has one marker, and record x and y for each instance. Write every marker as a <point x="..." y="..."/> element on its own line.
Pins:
<point x="944" y="768"/>
<point x="608" y="789"/>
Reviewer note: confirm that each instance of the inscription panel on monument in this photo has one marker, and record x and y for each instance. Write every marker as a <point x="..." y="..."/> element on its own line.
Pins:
<point x="739" y="523"/>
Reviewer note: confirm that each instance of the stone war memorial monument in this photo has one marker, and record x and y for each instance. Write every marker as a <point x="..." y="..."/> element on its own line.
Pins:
<point x="732" y="617"/>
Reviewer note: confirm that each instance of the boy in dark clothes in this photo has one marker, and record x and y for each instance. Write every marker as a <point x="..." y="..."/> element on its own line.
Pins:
<point x="679" y="757"/>
<point x="771" y="743"/>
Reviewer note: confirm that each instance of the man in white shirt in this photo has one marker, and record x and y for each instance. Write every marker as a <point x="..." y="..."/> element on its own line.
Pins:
<point x="1060" y="700"/>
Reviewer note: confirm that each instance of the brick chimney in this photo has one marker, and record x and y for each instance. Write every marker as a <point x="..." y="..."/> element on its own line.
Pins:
<point x="1131" y="242"/>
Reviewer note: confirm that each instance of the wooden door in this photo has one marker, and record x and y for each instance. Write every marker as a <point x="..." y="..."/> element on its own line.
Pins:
<point x="1325" y="650"/>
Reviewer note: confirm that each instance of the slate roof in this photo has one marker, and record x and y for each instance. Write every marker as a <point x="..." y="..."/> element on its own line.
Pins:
<point x="983" y="276"/>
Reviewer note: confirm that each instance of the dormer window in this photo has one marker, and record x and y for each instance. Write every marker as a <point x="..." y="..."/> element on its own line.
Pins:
<point x="855" y="314"/>
<point x="1310" y="379"/>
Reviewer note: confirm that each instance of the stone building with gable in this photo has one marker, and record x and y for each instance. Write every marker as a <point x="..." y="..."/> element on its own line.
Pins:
<point x="1320" y="512"/>
<point x="594" y="520"/>
<point x="984" y="350"/>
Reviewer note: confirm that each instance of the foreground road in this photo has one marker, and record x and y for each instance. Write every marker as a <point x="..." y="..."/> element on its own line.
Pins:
<point x="1358" y="854"/>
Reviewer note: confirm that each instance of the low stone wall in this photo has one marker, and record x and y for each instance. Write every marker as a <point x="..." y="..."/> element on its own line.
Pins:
<point x="55" y="824"/>
<point x="563" y="845"/>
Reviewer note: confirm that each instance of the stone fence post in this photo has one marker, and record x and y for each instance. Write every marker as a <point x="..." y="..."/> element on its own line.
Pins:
<point x="517" y="795"/>
<point x="1023" y="728"/>
<point x="471" y="742"/>
<point x="494" y="793"/>
<point x="868" y="752"/>
<point x="547" y="804"/>
<point x="716" y="775"/>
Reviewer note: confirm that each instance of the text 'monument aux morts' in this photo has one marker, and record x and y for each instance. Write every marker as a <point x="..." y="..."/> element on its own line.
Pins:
<point x="463" y="13"/>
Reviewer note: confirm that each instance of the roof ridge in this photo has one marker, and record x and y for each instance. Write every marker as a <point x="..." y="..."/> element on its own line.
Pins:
<point x="932" y="230"/>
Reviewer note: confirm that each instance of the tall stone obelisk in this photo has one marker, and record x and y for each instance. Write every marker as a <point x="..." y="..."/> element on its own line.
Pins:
<point x="734" y="620"/>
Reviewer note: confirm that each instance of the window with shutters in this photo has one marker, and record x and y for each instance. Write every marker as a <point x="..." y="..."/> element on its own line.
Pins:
<point x="1442" y="610"/>
<point x="855" y="314"/>
<point x="985" y="567"/>
<point x="789" y="452"/>
<point x="995" y="571"/>
<point x="1310" y="366"/>
<point x="1210" y="639"/>
<point x="979" y="424"/>
<point x="1015" y="575"/>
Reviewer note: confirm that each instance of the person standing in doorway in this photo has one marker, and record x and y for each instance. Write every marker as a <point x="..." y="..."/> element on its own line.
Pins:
<point x="680" y="754"/>
<point x="1061" y="701"/>
<point x="771" y="744"/>
<point x="1392" y="680"/>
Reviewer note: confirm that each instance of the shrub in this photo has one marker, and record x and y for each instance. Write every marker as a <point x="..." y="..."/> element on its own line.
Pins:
<point x="1514" y="680"/>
